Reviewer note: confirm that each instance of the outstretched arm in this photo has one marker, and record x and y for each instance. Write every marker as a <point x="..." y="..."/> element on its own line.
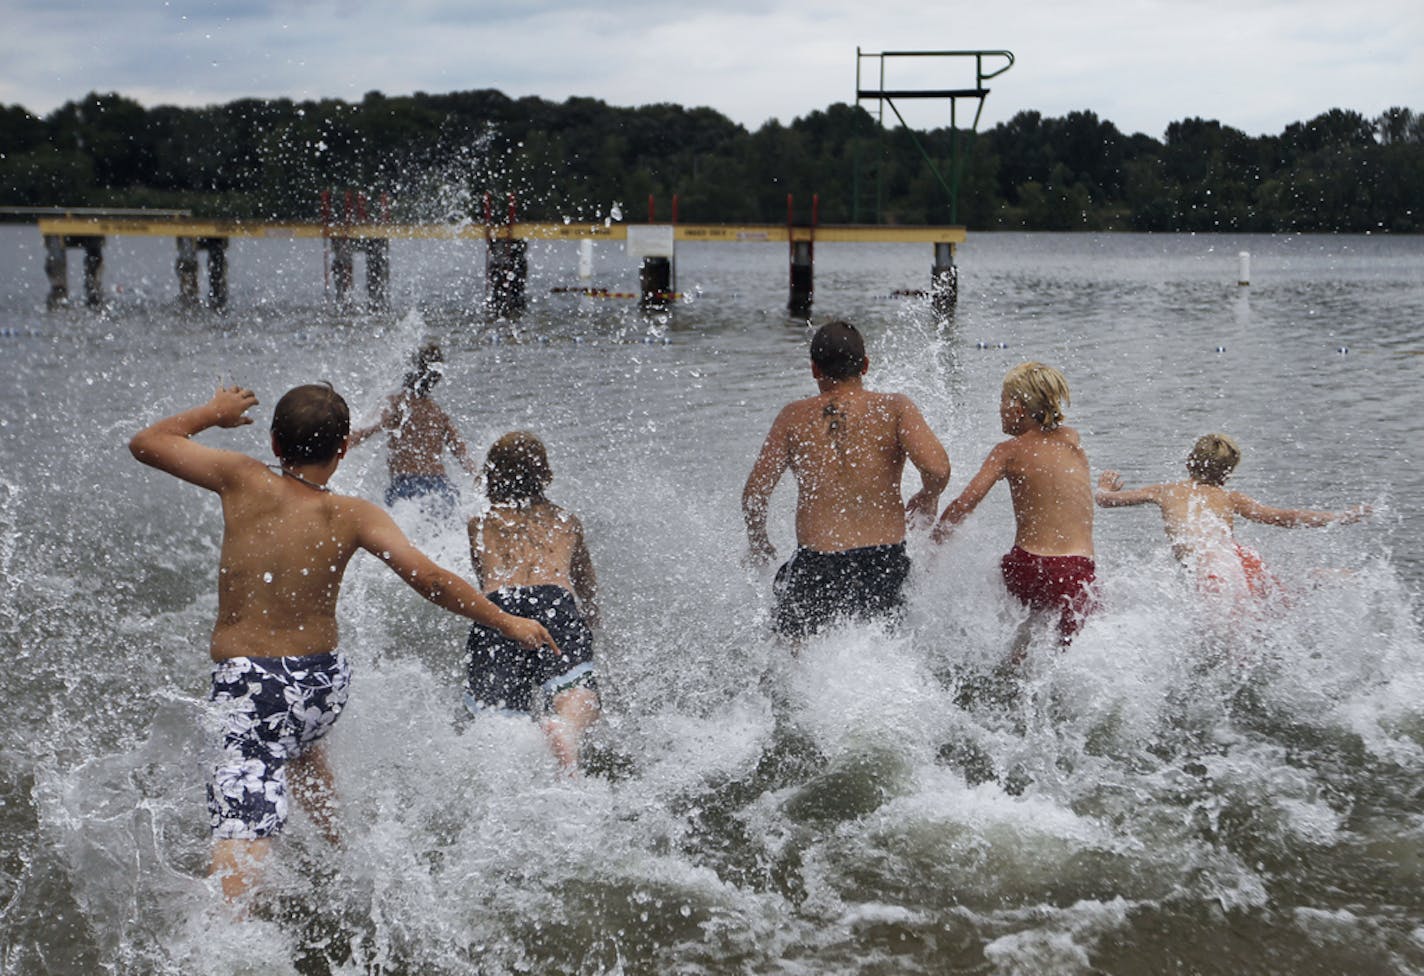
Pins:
<point x="929" y="457"/>
<point x="1293" y="518"/>
<point x="379" y="535"/>
<point x="770" y="464"/>
<point x="166" y="445"/>
<point x="995" y="467"/>
<point x="1110" y="492"/>
<point x="363" y="433"/>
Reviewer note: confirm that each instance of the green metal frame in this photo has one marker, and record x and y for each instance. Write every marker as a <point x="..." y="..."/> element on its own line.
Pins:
<point x="886" y="96"/>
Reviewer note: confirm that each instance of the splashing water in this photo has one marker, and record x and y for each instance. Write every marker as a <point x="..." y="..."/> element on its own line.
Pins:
<point x="1184" y="787"/>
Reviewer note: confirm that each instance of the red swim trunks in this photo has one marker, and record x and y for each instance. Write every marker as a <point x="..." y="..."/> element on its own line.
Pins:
<point x="1062" y="583"/>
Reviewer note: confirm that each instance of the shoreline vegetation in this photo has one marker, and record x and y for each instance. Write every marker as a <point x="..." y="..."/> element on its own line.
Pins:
<point x="435" y="156"/>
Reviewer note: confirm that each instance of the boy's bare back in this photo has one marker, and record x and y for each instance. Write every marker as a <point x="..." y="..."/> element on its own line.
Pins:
<point x="847" y="449"/>
<point x="1052" y="492"/>
<point x="528" y="545"/>
<point x="285" y="548"/>
<point x="1049" y="483"/>
<point x="420" y="433"/>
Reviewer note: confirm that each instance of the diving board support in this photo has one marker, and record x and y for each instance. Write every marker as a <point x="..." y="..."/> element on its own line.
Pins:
<point x="57" y="268"/>
<point x="377" y="251"/>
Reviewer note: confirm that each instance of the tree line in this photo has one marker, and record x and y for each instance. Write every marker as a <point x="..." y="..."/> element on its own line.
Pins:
<point x="436" y="156"/>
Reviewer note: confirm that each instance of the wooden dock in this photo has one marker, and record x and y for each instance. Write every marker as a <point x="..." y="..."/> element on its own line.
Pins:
<point x="506" y="264"/>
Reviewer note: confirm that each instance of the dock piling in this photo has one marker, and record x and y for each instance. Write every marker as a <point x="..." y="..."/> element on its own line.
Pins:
<point x="56" y="265"/>
<point x="93" y="248"/>
<point x="217" y="270"/>
<point x="944" y="279"/>
<point x="506" y="268"/>
<point x="186" y="265"/>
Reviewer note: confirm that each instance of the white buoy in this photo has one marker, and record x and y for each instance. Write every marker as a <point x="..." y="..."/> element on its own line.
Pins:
<point x="585" y="259"/>
<point x="1243" y="271"/>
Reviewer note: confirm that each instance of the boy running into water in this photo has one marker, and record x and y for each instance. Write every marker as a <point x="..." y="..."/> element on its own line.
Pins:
<point x="1198" y="514"/>
<point x="1050" y="568"/>
<point x="529" y="556"/>
<point x="847" y="447"/>
<point x="278" y="672"/>
<point x="420" y="432"/>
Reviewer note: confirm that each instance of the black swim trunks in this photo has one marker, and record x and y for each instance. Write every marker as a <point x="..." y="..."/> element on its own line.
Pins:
<point x="503" y="675"/>
<point x="815" y="588"/>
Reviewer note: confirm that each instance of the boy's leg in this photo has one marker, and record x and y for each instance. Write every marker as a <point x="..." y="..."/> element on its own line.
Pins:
<point x="574" y="711"/>
<point x="312" y="786"/>
<point x="238" y="865"/>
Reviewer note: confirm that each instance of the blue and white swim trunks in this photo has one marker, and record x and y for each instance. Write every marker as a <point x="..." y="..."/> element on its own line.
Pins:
<point x="273" y="710"/>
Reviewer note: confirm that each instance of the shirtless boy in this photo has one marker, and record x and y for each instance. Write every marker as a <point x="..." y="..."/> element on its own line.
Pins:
<point x="420" y="434"/>
<point x="529" y="555"/>
<point x="1050" y="568"/>
<point x="847" y="447"/>
<point x="278" y="673"/>
<point x="1198" y="515"/>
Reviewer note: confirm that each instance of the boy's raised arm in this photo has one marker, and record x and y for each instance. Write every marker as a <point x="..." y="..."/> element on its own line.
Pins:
<point x="166" y="445"/>
<point x="994" y="468"/>
<point x="379" y="535"/>
<point x="771" y="463"/>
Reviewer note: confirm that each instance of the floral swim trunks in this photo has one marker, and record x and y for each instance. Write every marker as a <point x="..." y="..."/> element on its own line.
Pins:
<point x="273" y="710"/>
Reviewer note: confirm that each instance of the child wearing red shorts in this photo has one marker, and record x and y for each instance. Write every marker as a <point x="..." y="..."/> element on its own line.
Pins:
<point x="1050" y="568"/>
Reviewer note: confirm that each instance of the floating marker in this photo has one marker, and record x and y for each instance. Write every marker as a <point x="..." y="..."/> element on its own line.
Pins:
<point x="1221" y="349"/>
<point x="585" y="259"/>
<point x="1003" y="345"/>
<point x="1343" y="349"/>
<point x="1243" y="270"/>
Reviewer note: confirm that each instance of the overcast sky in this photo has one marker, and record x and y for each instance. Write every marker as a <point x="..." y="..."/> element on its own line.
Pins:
<point x="1256" y="65"/>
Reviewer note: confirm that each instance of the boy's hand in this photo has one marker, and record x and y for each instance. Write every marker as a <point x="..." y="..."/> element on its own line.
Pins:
<point x="528" y="633"/>
<point x="230" y="405"/>
<point x="758" y="556"/>
<point x="920" y="509"/>
<point x="1355" y="513"/>
<point x="1110" y="481"/>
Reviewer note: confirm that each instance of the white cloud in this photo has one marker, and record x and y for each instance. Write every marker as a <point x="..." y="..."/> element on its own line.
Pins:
<point x="1139" y="64"/>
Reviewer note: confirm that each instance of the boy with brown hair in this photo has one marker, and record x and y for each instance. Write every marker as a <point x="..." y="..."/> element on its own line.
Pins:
<point x="530" y="557"/>
<point x="847" y="447"/>
<point x="278" y="671"/>
<point x="1197" y="515"/>
<point x="1050" y="568"/>
<point x="419" y="434"/>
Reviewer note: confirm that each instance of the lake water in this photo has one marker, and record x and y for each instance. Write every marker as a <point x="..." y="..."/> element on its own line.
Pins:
<point x="1182" y="791"/>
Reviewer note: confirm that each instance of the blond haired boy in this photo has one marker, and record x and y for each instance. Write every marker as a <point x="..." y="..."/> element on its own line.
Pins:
<point x="1050" y="568"/>
<point x="278" y="673"/>
<point x="1198" y="514"/>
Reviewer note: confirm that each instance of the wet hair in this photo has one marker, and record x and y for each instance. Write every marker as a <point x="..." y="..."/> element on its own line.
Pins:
<point x="1041" y="390"/>
<point x="516" y="468"/>
<point x="1213" y="458"/>
<point x="428" y="365"/>
<point x="838" y="350"/>
<point x="310" y="424"/>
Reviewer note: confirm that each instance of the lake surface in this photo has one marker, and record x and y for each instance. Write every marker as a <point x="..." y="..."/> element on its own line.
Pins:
<point x="1182" y="791"/>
